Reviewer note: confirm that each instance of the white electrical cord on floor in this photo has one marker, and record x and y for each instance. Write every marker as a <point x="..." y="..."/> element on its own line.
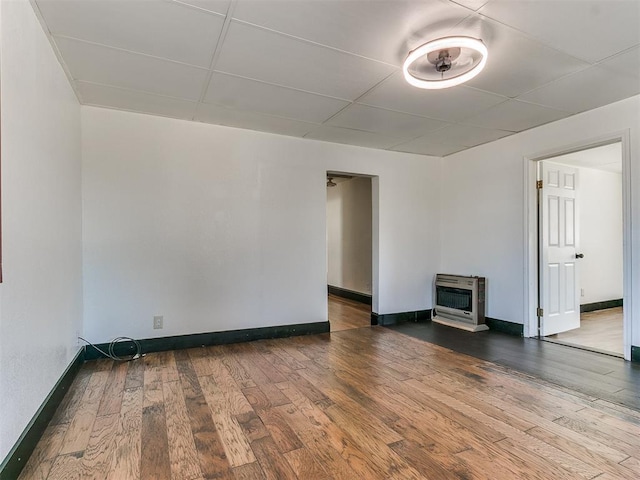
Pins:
<point x="111" y="354"/>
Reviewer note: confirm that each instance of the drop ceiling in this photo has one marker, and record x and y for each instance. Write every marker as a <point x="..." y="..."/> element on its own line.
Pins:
<point x="331" y="69"/>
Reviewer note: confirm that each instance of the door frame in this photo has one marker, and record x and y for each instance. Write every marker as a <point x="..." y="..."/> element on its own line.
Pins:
<point x="375" y="234"/>
<point x="530" y="209"/>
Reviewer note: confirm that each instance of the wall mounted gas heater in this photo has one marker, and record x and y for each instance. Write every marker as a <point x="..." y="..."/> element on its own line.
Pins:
<point x="460" y="302"/>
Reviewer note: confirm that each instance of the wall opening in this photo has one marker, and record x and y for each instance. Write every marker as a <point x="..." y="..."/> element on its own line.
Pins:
<point x="349" y="250"/>
<point x="601" y="258"/>
<point x="595" y="300"/>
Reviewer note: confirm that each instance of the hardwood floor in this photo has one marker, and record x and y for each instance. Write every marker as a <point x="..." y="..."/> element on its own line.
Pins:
<point x="366" y="403"/>
<point x="592" y="374"/>
<point x="345" y="314"/>
<point x="600" y="331"/>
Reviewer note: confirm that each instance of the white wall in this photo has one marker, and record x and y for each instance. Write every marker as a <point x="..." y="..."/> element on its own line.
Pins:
<point x="349" y="235"/>
<point x="41" y="297"/>
<point x="217" y="228"/>
<point x="483" y="222"/>
<point x="600" y="203"/>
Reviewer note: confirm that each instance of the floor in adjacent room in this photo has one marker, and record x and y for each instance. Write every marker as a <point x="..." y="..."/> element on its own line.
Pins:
<point x="366" y="403"/>
<point x="600" y="331"/>
<point x="345" y="314"/>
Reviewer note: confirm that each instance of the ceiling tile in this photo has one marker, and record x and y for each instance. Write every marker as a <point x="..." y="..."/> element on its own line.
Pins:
<point x="264" y="55"/>
<point x="118" y="68"/>
<point x="587" y="29"/>
<point x="383" y="30"/>
<point x="515" y="63"/>
<point x="217" y="6"/>
<point x="424" y="146"/>
<point x="464" y="135"/>
<point x="472" y="4"/>
<point x="352" y="137"/>
<point x="627" y="63"/>
<point x="262" y="97"/>
<point x="163" y="29"/>
<point x="378" y="120"/>
<point x="104" y="96"/>
<point x="515" y="116"/>
<point x="220" y="115"/>
<point x="591" y="88"/>
<point x="450" y="104"/>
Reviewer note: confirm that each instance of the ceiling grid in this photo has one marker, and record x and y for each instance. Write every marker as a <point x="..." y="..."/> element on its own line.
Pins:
<point x="331" y="70"/>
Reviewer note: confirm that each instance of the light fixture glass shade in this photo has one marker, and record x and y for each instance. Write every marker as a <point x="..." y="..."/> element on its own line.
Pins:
<point x="445" y="62"/>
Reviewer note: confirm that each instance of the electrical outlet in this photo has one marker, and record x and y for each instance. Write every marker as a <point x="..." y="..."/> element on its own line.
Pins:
<point x="582" y="292"/>
<point x="158" y="322"/>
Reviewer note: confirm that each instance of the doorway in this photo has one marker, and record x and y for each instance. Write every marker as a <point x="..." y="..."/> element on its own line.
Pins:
<point x="349" y="250"/>
<point x="596" y="211"/>
<point x="579" y="276"/>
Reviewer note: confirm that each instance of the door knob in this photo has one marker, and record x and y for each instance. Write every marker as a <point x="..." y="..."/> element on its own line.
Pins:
<point x="579" y="255"/>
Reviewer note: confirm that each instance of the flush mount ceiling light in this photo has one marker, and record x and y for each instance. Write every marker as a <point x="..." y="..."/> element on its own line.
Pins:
<point x="445" y="62"/>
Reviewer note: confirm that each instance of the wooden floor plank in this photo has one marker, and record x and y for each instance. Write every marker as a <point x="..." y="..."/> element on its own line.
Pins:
<point x="619" y="428"/>
<point x="250" y="471"/>
<point x="183" y="456"/>
<point x="99" y="454"/>
<point x="126" y="459"/>
<point x="73" y="398"/>
<point x="168" y="367"/>
<point x="606" y="436"/>
<point x="67" y="467"/>
<point x="239" y="374"/>
<point x="314" y="441"/>
<point x="578" y="370"/>
<point x="135" y="375"/>
<point x="234" y="442"/>
<point x="361" y="403"/>
<point x="586" y="451"/>
<point x="155" y="463"/>
<point x="428" y="464"/>
<point x="235" y="400"/>
<point x="283" y="436"/>
<point x="211" y="454"/>
<point x="538" y="462"/>
<point x="112" y="399"/>
<point x="367" y="462"/>
<point x="45" y="453"/>
<point x="631" y="464"/>
<point x="79" y="431"/>
<point x="274" y="465"/>
<point x="305" y="466"/>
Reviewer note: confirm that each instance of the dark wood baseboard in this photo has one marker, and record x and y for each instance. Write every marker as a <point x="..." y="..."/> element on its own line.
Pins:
<point x="504" y="326"/>
<point x="349" y="294"/>
<point x="635" y="354"/>
<point x="179" y="342"/>
<point x="402" y="317"/>
<point x="592" y="307"/>
<point x="17" y="457"/>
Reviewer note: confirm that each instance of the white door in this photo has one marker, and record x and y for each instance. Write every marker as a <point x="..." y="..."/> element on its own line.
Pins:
<point x="558" y="229"/>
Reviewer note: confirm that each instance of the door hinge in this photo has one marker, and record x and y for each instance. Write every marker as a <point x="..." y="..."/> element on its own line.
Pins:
<point x="540" y="312"/>
<point x="539" y="184"/>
